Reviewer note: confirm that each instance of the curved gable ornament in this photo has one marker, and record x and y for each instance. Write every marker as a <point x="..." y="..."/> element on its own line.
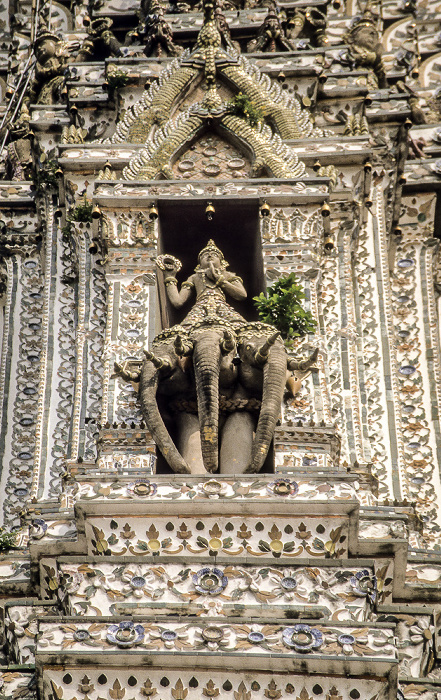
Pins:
<point x="268" y="150"/>
<point x="209" y="61"/>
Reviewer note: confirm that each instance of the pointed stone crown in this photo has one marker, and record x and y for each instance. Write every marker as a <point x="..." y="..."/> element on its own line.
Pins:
<point x="211" y="247"/>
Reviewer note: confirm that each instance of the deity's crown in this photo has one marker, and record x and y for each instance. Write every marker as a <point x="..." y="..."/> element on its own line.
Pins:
<point x="43" y="35"/>
<point x="211" y="247"/>
<point x="367" y="19"/>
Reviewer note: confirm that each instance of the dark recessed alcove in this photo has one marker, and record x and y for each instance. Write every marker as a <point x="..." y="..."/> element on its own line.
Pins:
<point x="184" y="230"/>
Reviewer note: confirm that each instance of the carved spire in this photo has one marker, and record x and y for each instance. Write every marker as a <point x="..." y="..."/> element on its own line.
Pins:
<point x="207" y="53"/>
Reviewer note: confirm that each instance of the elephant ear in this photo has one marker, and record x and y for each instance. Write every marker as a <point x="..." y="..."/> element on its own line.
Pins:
<point x="148" y="386"/>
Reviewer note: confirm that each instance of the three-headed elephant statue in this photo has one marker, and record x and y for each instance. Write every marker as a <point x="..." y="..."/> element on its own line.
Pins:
<point x="211" y="388"/>
<point x="211" y="396"/>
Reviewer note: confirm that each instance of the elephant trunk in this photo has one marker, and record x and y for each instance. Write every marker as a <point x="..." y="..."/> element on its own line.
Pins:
<point x="147" y="395"/>
<point x="207" y="359"/>
<point x="274" y="377"/>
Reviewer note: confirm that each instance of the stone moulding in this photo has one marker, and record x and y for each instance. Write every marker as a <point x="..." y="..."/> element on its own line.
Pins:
<point x="277" y="192"/>
<point x="94" y="587"/>
<point x="120" y="641"/>
<point x="110" y="485"/>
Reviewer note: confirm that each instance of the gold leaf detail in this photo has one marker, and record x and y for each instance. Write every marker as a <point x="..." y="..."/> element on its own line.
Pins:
<point x="271" y="691"/>
<point x="148" y="690"/>
<point x="210" y="690"/>
<point x="304" y="695"/>
<point x="241" y="693"/>
<point x="179" y="692"/>
<point x="116" y="692"/>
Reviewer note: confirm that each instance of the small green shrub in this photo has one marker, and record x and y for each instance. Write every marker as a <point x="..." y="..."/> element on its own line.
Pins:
<point x="46" y="176"/>
<point x="116" y="79"/>
<point x="82" y="212"/>
<point x="242" y="106"/>
<point x="7" y="539"/>
<point x="282" y="308"/>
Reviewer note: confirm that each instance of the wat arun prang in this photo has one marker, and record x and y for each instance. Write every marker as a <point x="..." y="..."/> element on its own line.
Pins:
<point x="191" y="505"/>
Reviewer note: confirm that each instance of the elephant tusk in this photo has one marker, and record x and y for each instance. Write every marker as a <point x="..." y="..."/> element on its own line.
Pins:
<point x="303" y="365"/>
<point x="261" y="355"/>
<point x="156" y="361"/>
<point x="227" y="344"/>
<point x="125" y="373"/>
<point x="181" y="348"/>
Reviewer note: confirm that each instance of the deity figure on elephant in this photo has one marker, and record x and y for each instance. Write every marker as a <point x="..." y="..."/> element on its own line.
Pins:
<point x="215" y="381"/>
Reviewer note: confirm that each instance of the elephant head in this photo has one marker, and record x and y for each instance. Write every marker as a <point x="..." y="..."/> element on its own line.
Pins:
<point x="166" y="371"/>
<point x="214" y="347"/>
<point x="262" y="373"/>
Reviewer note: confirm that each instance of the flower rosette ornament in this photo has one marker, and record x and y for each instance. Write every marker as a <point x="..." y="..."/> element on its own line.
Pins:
<point x="19" y="623"/>
<point x="286" y="583"/>
<point x="89" y="635"/>
<point x="213" y="489"/>
<point x="355" y="643"/>
<point x="302" y="638"/>
<point x="210" y="581"/>
<point x="70" y="582"/>
<point x="364" y="585"/>
<point x="256" y="635"/>
<point x="141" y="488"/>
<point x="126" y="634"/>
<point x="137" y="582"/>
<point x="421" y="632"/>
<point x="283" y="487"/>
<point x="212" y="637"/>
<point x="170" y="638"/>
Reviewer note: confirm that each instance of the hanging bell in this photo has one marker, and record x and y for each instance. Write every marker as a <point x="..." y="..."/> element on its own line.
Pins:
<point x="96" y="212"/>
<point x="209" y="211"/>
<point x="329" y="243"/>
<point x="153" y="212"/>
<point x="265" y="209"/>
<point x="325" y="210"/>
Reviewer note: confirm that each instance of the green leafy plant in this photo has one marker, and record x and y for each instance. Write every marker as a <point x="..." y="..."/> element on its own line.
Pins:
<point x="47" y="176"/>
<point x="82" y="212"/>
<point x="282" y="308"/>
<point x="242" y="106"/>
<point x="7" y="539"/>
<point x="116" y="79"/>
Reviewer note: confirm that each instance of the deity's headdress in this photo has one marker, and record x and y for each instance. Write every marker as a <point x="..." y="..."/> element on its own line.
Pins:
<point x="367" y="19"/>
<point x="211" y="247"/>
<point x="44" y="35"/>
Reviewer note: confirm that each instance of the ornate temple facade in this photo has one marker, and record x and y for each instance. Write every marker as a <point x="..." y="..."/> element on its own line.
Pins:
<point x="191" y="507"/>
